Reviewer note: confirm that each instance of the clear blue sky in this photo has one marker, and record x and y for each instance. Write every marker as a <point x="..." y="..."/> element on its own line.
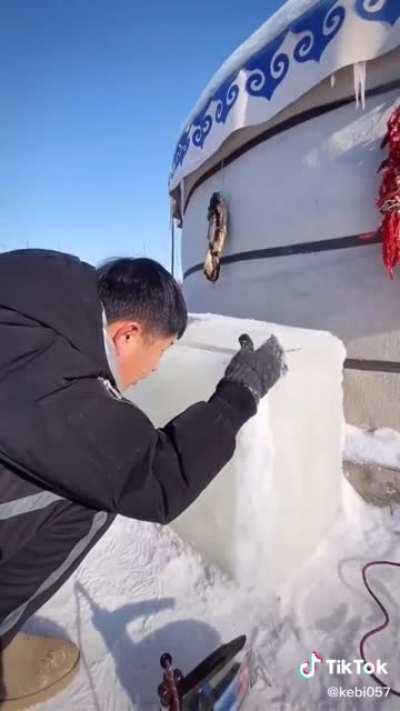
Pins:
<point x="92" y="96"/>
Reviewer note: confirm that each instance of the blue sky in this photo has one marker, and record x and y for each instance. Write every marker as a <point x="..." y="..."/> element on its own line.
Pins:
<point x="92" y="95"/>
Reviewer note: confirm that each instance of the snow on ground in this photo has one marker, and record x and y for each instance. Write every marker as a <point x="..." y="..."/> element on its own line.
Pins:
<point x="380" y="446"/>
<point x="141" y="592"/>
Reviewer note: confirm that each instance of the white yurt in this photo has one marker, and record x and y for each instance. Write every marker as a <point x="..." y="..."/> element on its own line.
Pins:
<point x="287" y="137"/>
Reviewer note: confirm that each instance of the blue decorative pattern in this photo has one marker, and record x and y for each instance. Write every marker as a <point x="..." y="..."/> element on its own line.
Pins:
<point x="381" y="10"/>
<point x="181" y="150"/>
<point x="267" y="69"/>
<point x="320" y="25"/>
<point x="226" y="96"/>
<point x="203" y="123"/>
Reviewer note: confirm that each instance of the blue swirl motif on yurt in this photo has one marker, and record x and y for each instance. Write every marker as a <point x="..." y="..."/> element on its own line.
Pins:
<point x="379" y="10"/>
<point x="202" y="123"/>
<point x="320" y="25"/>
<point x="226" y="96"/>
<point x="181" y="149"/>
<point x="268" y="68"/>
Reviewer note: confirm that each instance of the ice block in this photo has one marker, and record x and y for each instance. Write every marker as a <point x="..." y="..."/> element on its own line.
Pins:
<point x="270" y="506"/>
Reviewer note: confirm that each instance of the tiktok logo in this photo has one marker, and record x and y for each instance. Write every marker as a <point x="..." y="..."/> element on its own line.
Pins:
<point x="340" y="666"/>
<point x="307" y="669"/>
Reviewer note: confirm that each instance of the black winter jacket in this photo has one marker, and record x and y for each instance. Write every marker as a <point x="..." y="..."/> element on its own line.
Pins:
<point x="62" y="430"/>
<point x="72" y="455"/>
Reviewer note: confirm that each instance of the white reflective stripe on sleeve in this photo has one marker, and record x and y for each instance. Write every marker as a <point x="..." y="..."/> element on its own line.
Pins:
<point x="26" y="504"/>
<point x="98" y="521"/>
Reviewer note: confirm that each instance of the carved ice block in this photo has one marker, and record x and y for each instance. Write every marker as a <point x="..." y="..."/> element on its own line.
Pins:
<point x="269" y="507"/>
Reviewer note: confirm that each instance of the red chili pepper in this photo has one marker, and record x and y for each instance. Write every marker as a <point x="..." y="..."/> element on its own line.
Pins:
<point x="388" y="201"/>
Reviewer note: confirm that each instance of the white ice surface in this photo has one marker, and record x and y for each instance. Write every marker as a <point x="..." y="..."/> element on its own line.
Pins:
<point x="266" y="510"/>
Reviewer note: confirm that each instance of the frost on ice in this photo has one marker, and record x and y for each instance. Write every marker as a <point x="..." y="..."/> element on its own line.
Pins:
<point x="268" y="509"/>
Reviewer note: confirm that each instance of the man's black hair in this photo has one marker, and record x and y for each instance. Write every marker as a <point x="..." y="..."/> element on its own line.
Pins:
<point x="141" y="289"/>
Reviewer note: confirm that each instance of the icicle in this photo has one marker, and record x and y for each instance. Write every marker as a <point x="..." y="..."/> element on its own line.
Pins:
<point x="182" y="191"/>
<point x="171" y="211"/>
<point x="360" y="80"/>
<point x="333" y="80"/>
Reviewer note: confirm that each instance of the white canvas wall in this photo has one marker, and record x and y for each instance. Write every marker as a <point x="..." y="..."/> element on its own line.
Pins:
<point x="314" y="182"/>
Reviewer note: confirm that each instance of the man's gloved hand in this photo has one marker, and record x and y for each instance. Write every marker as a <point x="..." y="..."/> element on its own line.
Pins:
<point x="258" y="370"/>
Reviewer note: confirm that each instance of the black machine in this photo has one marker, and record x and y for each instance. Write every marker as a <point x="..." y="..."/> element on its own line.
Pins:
<point x="218" y="683"/>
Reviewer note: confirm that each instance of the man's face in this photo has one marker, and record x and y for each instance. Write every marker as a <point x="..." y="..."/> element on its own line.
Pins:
<point x="138" y="352"/>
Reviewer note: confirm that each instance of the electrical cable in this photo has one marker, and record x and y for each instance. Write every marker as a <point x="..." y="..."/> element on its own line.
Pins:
<point x="383" y="625"/>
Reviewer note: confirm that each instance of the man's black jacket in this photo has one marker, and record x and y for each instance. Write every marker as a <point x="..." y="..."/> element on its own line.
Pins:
<point x="72" y="455"/>
<point x="62" y="430"/>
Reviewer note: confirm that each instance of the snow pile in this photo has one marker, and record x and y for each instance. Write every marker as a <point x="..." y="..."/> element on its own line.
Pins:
<point x="380" y="446"/>
<point x="141" y="592"/>
<point x="329" y="610"/>
<point x="267" y="509"/>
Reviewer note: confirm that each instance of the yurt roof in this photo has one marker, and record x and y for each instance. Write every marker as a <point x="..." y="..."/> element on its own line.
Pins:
<point x="298" y="47"/>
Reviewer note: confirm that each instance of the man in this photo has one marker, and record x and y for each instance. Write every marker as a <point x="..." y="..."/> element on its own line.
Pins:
<point x="74" y="452"/>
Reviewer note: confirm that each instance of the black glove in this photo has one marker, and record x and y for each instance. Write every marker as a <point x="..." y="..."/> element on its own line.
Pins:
<point x="258" y="370"/>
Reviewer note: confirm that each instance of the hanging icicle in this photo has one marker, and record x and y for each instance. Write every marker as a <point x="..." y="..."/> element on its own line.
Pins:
<point x="360" y="80"/>
<point x="389" y="195"/>
<point x="172" y="230"/>
<point x="217" y="232"/>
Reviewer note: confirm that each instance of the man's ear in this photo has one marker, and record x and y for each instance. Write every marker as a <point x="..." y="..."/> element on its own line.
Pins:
<point x="122" y="332"/>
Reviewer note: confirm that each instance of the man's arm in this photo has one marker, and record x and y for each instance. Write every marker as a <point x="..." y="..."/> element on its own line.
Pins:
<point x="182" y="458"/>
<point x="106" y="454"/>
